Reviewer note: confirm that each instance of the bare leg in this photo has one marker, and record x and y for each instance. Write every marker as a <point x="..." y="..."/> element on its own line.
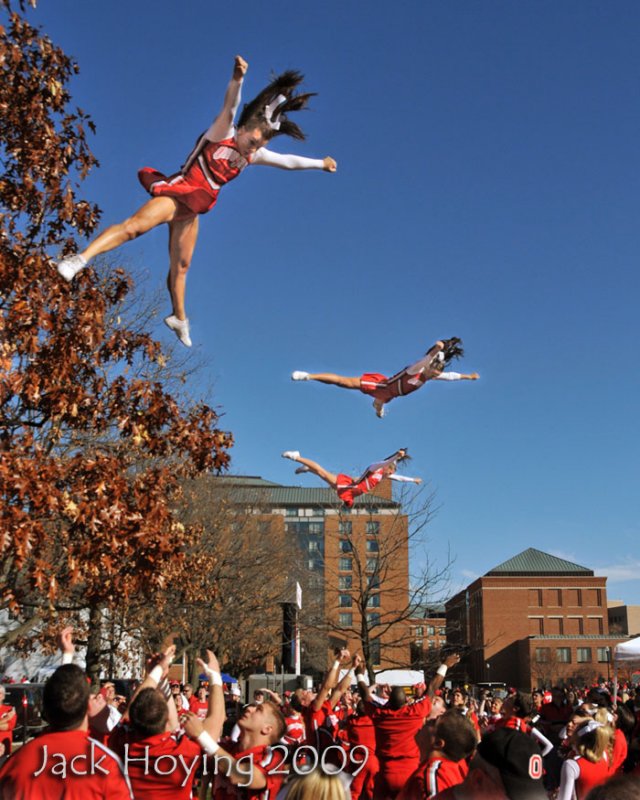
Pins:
<point x="182" y="239"/>
<point x="153" y="213"/>
<point x="335" y="380"/>
<point x="321" y="472"/>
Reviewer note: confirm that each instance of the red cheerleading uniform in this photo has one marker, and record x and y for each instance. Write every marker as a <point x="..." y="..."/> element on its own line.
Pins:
<point x="395" y="743"/>
<point x="620" y="750"/>
<point x="199" y="707"/>
<point x="295" y="733"/>
<point x="434" y="776"/>
<point x="348" y="489"/>
<point x="360" y="732"/>
<point x="591" y="775"/>
<point x="67" y="765"/>
<point x="160" y="766"/>
<point x="404" y="382"/>
<point x="263" y="759"/>
<point x="210" y="166"/>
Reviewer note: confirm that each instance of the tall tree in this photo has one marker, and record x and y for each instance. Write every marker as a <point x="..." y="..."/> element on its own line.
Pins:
<point x="92" y="447"/>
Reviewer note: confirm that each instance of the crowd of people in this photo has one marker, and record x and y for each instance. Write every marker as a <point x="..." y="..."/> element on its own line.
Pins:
<point x="347" y="740"/>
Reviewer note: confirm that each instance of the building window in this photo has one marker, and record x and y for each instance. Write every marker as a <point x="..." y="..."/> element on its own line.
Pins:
<point x="374" y="601"/>
<point x="345" y="601"/>
<point x="419" y="631"/>
<point x="432" y="644"/>
<point x="344" y="527"/>
<point x="345" y="619"/>
<point x="345" y="564"/>
<point x="563" y="655"/>
<point x="291" y="512"/>
<point x="345" y="582"/>
<point x="372" y="564"/>
<point x="314" y="546"/>
<point x="604" y="655"/>
<point x="431" y="631"/>
<point x="373" y="582"/>
<point x="373" y="546"/>
<point x="584" y="655"/>
<point x="542" y="655"/>
<point x="374" y="651"/>
<point x="316" y="527"/>
<point x="373" y="528"/>
<point x="346" y="546"/>
<point x="442" y="631"/>
<point x="535" y="598"/>
<point x="373" y="618"/>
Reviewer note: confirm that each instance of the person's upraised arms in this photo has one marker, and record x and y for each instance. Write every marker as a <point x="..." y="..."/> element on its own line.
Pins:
<point x="267" y="158"/>
<point x="222" y="126"/>
<point x="331" y="678"/>
<point x="216" y="713"/>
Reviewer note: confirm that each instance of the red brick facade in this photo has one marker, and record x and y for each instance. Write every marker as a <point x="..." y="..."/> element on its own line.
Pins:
<point x="533" y="630"/>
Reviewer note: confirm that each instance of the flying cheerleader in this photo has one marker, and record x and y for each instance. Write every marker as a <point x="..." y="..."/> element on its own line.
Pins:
<point x="384" y="390"/>
<point x="220" y="155"/>
<point x="349" y="488"/>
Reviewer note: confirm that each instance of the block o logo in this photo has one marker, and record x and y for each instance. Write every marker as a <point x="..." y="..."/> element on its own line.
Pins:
<point x="535" y="767"/>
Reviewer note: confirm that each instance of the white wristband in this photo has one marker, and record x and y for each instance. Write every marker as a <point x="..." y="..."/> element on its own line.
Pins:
<point x="156" y="673"/>
<point x="206" y="742"/>
<point x="214" y="676"/>
<point x="442" y="670"/>
<point x="336" y="665"/>
<point x="67" y="658"/>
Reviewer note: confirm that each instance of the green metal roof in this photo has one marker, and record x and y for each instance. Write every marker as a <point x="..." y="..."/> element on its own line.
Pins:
<point x="535" y="562"/>
<point x="248" y="489"/>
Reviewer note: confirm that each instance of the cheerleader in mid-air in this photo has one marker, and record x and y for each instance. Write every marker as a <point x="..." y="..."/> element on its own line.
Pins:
<point x="219" y="156"/>
<point x="384" y="390"/>
<point x="349" y="488"/>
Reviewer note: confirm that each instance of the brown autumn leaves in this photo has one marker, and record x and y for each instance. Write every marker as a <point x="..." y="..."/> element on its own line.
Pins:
<point x="93" y="446"/>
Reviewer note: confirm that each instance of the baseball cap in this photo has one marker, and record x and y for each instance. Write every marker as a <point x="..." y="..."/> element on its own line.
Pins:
<point x="517" y="757"/>
<point x="235" y="691"/>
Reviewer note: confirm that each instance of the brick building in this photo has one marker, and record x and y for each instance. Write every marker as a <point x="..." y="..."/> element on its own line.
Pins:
<point x="534" y="620"/>
<point x="358" y="560"/>
<point x="428" y="635"/>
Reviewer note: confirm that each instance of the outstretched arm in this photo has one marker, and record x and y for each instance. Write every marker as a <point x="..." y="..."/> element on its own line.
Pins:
<point x="222" y="126"/>
<point x="456" y="376"/>
<point x="331" y="678"/>
<point x="438" y="679"/>
<point x="270" y="159"/>
<point x="404" y="478"/>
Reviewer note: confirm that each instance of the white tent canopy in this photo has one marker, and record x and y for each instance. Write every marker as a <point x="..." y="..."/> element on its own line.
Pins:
<point x="626" y="652"/>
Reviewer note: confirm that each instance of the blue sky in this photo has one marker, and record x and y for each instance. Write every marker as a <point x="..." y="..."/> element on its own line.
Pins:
<point x="487" y="188"/>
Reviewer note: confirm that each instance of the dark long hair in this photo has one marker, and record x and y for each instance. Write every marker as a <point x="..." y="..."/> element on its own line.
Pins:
<point x="253" y="113"/>
<point x="452" y="349"/>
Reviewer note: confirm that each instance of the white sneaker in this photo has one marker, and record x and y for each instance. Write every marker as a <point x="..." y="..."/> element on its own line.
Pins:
<point x="180" y="327"/>
<point x="302" y="469"/>
<point x="70" y="266"/>
<point x="379" y="407"/>
<point x="299" y="375"/>
<point x="294" y="455"/>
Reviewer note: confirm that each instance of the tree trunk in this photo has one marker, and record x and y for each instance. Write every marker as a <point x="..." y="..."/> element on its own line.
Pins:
<point x="94" y="645"/>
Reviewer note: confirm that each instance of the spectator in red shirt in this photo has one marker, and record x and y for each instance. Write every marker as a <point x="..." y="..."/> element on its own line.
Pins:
<point x="199" y="705"/>
<point x="8" y="719"/>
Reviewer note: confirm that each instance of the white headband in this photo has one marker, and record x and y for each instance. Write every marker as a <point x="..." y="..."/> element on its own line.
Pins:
<point x="589" y="727"/>
<point x="274" y="123"/>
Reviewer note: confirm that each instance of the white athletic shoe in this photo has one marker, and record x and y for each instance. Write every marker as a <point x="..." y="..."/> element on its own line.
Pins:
<point x="70" y="266"/>
<point x="302" y="469"/>
<point x="180" y="327"/>
<point x="294" y="455"/>
<point x="299" y="375"/>
<point x="379" y="407"/>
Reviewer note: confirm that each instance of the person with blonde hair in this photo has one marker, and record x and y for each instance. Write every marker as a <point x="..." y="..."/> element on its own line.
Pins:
<point x="589" y="766"/>
<point x="316" y="785"/>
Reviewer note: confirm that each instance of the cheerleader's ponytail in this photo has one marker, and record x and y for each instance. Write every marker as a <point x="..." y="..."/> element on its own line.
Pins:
<point x="268" y="110"/>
